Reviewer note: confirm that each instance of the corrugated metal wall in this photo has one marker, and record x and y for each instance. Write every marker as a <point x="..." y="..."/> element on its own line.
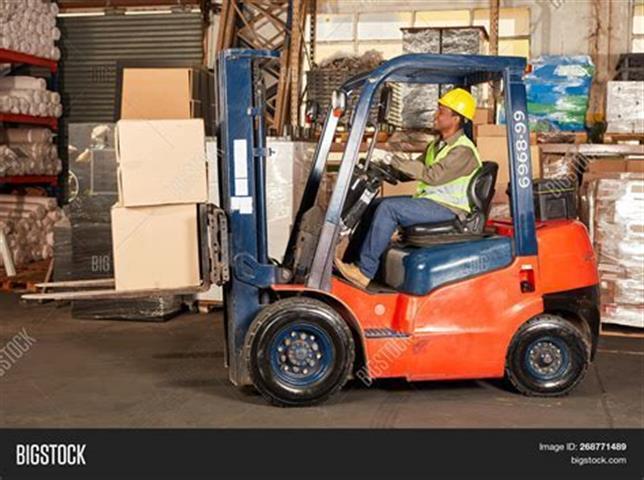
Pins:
<point x="92" y="45"/>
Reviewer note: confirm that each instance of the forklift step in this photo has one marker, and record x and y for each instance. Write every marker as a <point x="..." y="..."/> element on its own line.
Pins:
<point x="384" y="333"/>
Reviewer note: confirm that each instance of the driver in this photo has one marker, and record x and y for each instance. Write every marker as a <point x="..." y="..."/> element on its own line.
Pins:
<point x="443" y="172"/>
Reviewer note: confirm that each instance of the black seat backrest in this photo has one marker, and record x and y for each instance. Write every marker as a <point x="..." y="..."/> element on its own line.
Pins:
<point x="481" y="188"/>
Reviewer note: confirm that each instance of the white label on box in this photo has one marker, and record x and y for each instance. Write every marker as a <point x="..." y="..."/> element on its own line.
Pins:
<point x="243" y="204"/>
<point x="239" y="153"/>
<point x="241" y="186"/>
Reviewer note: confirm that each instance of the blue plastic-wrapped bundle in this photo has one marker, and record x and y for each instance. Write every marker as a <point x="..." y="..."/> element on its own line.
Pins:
<point x="558" y="88"/>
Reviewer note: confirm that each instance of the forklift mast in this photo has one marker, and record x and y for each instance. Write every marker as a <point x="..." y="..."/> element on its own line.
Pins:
<point x="241" y="162"/>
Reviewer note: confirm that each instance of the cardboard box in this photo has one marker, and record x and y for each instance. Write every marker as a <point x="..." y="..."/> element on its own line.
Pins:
<point x="601" y="165"/>
<point x="155" y="247"/>
<point x="483" y="116"/>
<point x="635" y="166"/>
<point x="160" y="93"/>
<point x="616" y="165"/>
<point x="168" y="93"/>
<point x="495" y="149"/>
<point x="403" y="188"/>
<point x="490" y="130"/>
<point x="493" y="130"/>
<point x="161" y="162"/>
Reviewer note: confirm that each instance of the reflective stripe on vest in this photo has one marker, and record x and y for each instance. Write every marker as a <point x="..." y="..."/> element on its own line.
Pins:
<point x="454" y="192"/>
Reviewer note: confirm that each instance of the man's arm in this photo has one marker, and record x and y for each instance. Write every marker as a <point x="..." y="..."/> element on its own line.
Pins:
<point x="459" y="162"/>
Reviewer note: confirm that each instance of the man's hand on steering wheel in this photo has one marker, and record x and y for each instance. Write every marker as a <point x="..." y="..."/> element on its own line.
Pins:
<point x="384" y="171"/>
<point x="399" y="170"/>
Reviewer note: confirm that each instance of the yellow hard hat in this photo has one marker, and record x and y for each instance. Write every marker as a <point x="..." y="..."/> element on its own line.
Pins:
<point x="461" y="101"/>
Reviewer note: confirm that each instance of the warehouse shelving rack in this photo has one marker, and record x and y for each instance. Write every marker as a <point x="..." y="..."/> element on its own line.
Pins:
<point x="53" y="183"/>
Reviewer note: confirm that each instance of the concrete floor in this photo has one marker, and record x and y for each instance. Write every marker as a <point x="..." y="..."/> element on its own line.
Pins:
<point x="81" y="373"/>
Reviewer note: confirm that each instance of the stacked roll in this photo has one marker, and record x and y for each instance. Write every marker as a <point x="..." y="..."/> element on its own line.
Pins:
<point x="29" y="26"/>
<point x="29" y="151"/>
<point x="28" y="224"/>
<point x="28" y="96"/>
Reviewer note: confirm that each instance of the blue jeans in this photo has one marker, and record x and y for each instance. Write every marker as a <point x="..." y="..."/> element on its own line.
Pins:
<point x="386" y="215"/>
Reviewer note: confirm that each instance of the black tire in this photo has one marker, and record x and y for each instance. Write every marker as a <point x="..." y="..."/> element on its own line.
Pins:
<point x="548" y="357"/>
<point x="316" y="356"/>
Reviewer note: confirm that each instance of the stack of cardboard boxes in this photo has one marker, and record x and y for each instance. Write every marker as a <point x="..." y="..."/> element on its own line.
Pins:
<point x="161" y="179"/>
<point x="162" y="176"/>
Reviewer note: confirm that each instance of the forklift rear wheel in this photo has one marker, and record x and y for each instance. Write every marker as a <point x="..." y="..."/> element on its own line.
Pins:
<point x="548" y="356"/>
<point x="299" y="351"/>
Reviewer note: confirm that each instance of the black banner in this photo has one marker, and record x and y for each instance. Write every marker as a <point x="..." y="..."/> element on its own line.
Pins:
<point x="322" y="454"/>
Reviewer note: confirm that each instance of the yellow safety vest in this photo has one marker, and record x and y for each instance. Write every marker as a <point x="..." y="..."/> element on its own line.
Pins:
<point x="454" y="192"/>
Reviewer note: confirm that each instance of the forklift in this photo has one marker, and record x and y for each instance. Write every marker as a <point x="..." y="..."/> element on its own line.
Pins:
<point x="467" y="299"/>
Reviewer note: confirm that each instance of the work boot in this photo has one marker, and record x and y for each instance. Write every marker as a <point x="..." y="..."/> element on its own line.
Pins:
<point x="352" y="273"/>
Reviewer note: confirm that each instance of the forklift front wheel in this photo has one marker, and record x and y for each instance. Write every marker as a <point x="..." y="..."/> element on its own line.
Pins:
<point x="548" y="356"/>
<point x="299" y="351"/>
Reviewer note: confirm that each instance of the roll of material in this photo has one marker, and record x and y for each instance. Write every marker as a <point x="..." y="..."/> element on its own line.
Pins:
<point x="45" y="151"/>
<point x="29" y="159"/>
<point x="28" y="135"/>
<point x="27" y="94"/>
<point x="49" y="203"/>
<point x="28" y="101"/>
<point x="6" y="256"/>
<point x="29" y="27"/>
<point x="27" y="224"/>
<point x="22" y="82"/>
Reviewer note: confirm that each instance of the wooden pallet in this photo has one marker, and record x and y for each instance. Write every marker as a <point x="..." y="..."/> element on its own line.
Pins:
<point x="624" y="137"/>
<point x="342" y="137"/>
<point x="561" y="137"/>
<point x="614" y="330"/>
<point x="27" y="277"/>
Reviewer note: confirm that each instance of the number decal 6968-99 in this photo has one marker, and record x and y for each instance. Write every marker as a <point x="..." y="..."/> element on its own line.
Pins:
<point x="521" y="145"/>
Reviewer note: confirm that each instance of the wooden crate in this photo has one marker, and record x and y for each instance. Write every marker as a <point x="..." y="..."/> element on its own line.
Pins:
<point x="623" y="137"/>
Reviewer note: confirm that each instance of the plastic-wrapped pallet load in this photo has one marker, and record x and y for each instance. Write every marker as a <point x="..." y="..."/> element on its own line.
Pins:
<point x="616" y="220"/>
<point x="625" y="107"/>
<point x="29" y="26"/>
<point x="419" y="101"/>
<point x="557" y="92"/>
<point x="84" y="246"/>
<point x="28" y="96"/>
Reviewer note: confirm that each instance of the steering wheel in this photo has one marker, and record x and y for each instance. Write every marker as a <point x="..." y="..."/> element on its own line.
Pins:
<point x="384" y="171"/>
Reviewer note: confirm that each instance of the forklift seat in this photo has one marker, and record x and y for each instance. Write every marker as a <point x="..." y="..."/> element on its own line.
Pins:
<point x="479" y="192"/>
<point x="418" y="271"/>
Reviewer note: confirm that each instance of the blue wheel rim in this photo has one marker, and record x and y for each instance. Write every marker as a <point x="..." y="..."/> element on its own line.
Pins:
<point x="301" y="354"/>
<point x="547" y="358"/>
